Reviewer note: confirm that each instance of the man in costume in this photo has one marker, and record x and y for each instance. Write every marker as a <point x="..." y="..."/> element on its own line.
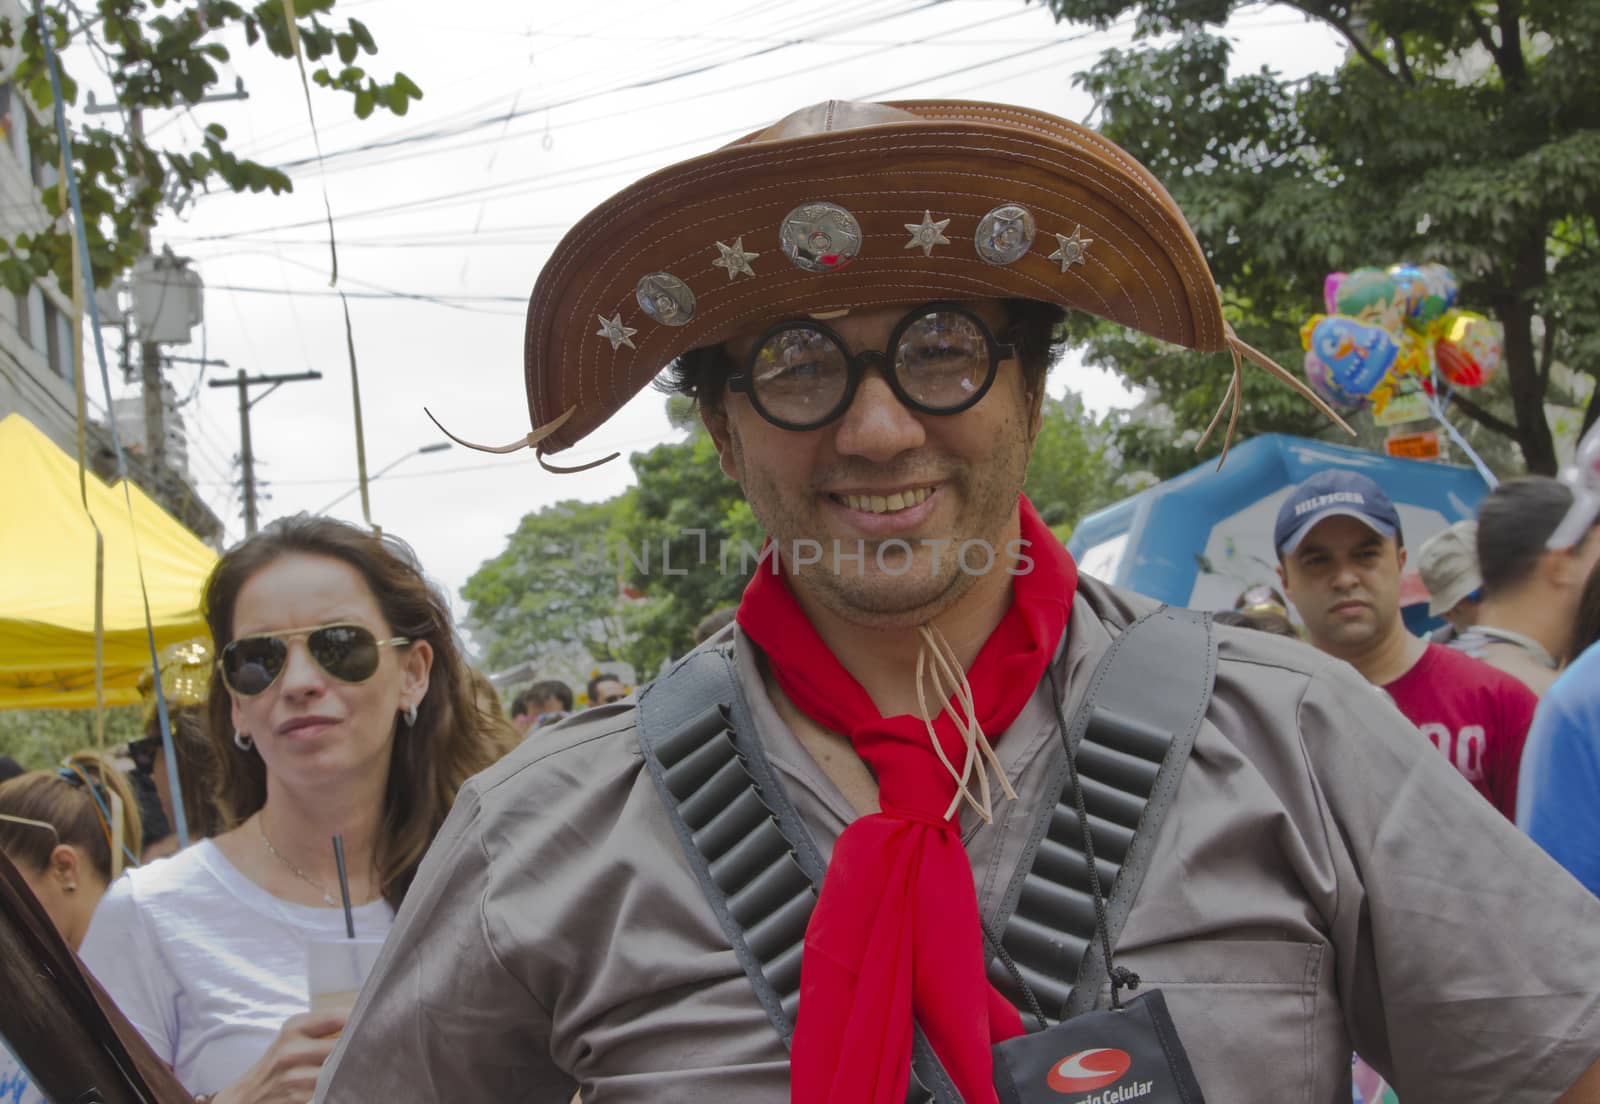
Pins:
<point x="861" y="298"/>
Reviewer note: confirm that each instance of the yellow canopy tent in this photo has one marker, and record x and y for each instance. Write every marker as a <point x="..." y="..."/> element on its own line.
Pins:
<point x="47" y="578"/>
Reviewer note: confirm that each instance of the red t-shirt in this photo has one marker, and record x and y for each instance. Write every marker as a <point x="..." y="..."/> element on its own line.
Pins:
<point x="1477" y="715"/>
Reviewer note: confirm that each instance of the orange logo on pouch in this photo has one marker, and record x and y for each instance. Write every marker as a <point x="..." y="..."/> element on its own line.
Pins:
<point x="1087" y="1070"/>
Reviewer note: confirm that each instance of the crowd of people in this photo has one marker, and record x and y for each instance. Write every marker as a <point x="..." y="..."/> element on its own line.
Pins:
<point x="899" y="827"/>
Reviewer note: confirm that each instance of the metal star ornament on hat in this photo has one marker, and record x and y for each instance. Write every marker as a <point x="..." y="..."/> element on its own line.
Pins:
<point x="1000" y="202"/>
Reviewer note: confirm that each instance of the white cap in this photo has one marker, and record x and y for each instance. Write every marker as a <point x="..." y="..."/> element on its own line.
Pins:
<point x="1583" y="476"/>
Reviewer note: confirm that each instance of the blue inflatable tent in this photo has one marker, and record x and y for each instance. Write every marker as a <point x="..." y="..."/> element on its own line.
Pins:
<point x="1199" y="539"/>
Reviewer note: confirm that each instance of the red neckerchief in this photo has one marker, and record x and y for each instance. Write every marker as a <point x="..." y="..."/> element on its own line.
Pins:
<point x="896" y="928"/>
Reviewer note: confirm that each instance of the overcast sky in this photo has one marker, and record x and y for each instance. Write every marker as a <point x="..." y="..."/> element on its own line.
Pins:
<point x="532" y="114"/>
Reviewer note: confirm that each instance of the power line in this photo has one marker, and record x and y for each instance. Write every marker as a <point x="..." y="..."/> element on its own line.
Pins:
<point x="650" y="81"/>
<point x="549" y="181"/>
<point x="807" y="70"/>
<point x="437" y="300"/>
<point x="573" y="90"/>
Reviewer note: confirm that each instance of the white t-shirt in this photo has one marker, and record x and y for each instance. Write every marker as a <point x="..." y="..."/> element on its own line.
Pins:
<point x="207" y="964"/>
<point x="15" y="1088"/>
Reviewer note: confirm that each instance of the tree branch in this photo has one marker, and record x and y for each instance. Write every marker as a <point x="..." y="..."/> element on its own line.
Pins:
<point x="1513" y="66"/>
<point x="1481" y="29"/>
<point x="1547" y="354"/>
<point x="1400" y="60"/>
<point x="1366" y="53"/>
<point x="1483" y="417"/>
<point x="1321" y="13"/>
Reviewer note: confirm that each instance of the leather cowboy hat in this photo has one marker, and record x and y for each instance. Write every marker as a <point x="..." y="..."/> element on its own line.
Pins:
<point x="852" y="205"/>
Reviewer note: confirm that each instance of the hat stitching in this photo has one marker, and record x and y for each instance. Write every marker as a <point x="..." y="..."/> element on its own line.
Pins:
<point x="1059" y="129"/>
<point x="1109" y="236"/>
<point x="1066" y="162"/>
<point x="1049" y="290"/>
<point x="1052" y="291"/>
<point x="720" y="291"/>
<point x="1182" y="260"/>
<point x="1064" y="159"/>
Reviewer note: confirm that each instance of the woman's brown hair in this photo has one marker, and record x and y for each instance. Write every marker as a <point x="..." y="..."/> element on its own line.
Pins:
<point x="431" y="758"/>
<point x="63" y="799"/>
<point x="197" y="767"/>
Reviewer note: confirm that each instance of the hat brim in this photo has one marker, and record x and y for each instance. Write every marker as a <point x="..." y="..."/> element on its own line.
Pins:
<point x="957" y="161"/>
<point x="1451" y="596"/>
<point x="1383" y="529"/>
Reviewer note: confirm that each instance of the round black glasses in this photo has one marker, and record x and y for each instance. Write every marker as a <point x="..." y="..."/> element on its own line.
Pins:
<point x="941" y="359"/>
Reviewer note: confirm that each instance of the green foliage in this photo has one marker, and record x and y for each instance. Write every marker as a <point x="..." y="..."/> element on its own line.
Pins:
<point x="1074" y="468"/>
<point x="690" y="518"/>
<point x="1463" y="133"/>
<point x="554" y="588"/>
<point x="40" y="738"/>
<point x="624" y="579"/>
<point x="163" y="58"/>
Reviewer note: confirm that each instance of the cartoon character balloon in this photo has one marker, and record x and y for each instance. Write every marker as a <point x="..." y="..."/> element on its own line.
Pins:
<point x="1372" y="296"/>
<point x="1412" y="285"/>
<point x="1318" y="377"/>
<point x="1439" y="296"/>
<point x="1357" y="355"/>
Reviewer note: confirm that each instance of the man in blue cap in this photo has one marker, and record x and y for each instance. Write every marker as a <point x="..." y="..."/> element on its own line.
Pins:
<point x="1340" y="555"/>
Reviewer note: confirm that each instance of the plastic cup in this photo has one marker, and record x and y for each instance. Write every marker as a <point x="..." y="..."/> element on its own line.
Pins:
<point x="336" y="970"/>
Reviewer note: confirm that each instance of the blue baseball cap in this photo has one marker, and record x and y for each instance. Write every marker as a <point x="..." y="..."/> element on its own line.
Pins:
<point x="1329" y="493"/>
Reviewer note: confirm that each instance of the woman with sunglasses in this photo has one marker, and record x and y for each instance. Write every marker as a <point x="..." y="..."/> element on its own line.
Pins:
<point x="69" y="833"/>
<point x="340" y="706"/>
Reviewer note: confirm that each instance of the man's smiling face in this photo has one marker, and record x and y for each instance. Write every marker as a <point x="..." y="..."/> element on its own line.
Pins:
<point x="908" y="490"/>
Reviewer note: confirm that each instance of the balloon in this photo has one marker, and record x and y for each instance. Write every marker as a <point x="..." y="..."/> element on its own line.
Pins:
<point x="1330" y="290"/>
<point x="1331" y="393"/>
<point x="1468" y="355"/>
<point x="1439" y="295"/>
<point x="1371" y="295"/>
<point x="1308" y="328"/>
<point x="1357" y="355"/>
<point x="1413" y="288"/>
<point x="1415" y="356"/>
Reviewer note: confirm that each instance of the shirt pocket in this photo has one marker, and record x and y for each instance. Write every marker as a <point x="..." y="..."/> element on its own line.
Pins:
<point x="1256" y="1017"/>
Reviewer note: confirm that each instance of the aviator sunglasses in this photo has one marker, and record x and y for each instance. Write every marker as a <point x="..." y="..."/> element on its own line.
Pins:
<point x="941" y="358"/>
<point x="347" y="652"/>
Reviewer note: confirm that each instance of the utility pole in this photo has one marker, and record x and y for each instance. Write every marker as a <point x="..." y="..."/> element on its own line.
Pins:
<point x="155" y="416"/>
<point x="247" y="460"/>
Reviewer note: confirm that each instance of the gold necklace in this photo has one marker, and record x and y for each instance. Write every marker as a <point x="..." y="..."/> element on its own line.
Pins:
<point x="327" y="898"/>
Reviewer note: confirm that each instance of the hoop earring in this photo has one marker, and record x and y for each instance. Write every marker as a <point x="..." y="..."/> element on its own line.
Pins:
<point x="409" y="716"/>
<point x="242" y="740"/>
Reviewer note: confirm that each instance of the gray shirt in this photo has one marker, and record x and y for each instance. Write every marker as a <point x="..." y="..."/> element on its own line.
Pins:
<point x="1325" y="880"/>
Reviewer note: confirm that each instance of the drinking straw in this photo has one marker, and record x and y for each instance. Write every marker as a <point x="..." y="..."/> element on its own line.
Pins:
<point x="344" y="886"/>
